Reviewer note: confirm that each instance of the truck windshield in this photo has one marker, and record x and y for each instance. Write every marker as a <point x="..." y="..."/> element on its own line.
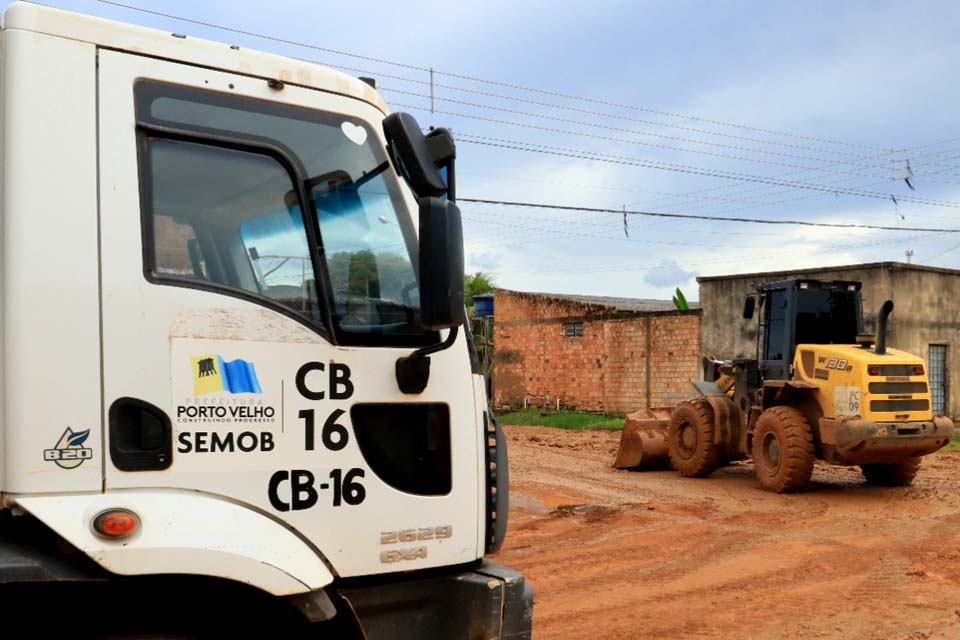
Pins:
<point x="374" y="284"/>
<point x="367" y="249"/>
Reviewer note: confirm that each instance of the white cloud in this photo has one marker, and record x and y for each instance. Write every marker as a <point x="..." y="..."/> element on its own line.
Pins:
<point x="668" y="274"/>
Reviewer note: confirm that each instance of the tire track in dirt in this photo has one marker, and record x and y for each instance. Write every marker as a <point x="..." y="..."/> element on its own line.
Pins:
<point x="655" y="555"/>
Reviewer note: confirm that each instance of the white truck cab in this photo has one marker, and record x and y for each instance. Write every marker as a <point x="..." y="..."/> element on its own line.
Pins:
<point x="231" y="365"/>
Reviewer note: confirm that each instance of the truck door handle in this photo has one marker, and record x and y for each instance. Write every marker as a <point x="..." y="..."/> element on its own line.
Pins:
<point x="141" y="438"/>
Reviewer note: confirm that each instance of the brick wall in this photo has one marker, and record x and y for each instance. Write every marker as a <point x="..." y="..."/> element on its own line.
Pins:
<point x="604" y="370"/>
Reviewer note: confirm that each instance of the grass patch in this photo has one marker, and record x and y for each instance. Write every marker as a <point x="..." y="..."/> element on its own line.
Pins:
<point x="572" y="420"/>
<point x="954" y="444"/>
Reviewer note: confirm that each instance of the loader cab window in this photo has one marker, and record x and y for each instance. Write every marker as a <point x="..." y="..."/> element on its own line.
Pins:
<point x="776" y="325"/>
<point x="222" y="218"/>
<point x="827" y="316"/>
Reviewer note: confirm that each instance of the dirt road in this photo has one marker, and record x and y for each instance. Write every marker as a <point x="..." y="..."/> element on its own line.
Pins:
<point x="621" y="554"/>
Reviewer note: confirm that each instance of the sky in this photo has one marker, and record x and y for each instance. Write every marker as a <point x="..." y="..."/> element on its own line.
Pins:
<point x="631" y="103"/>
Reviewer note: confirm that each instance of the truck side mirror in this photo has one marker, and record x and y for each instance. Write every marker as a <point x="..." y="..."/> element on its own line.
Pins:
<point x="441" y="264"/>
<point x="412" y="156"/>
<point x="748" y="306"/>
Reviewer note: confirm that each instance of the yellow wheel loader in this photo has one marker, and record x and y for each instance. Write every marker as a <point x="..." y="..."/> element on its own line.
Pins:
<point x="819" y="389"/>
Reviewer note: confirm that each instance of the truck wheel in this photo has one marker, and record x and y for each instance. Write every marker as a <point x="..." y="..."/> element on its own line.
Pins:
<point x="891" y="475"/>
<point x="690" y="444"/>
<point x="783" y="450"/>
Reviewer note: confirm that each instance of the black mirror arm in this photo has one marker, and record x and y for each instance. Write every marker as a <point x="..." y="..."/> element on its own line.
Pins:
<point x="437" y="348"/>
<point x="413" y="371"/>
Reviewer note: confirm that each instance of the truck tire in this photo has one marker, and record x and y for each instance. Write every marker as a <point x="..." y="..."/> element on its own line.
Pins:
<point x="783" y="450"/>
<point x="900" y="474"/>
<point x="690" y="443"/>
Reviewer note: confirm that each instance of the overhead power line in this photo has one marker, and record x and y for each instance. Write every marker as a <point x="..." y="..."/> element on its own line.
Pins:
<point x="759" y="196"/>
<point x="690" y="216"/>
<point x="261" y="36"/>
<point x="478" y="105"/>
<point x="911" y="151"/>
<point x="937" y="255"/>
<point x="508" y="85"/>
<point x="688" y="169"/>
<point x="605" y="138"/>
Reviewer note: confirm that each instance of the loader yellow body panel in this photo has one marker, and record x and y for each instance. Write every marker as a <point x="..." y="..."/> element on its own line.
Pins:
<point x="845" y="387"/>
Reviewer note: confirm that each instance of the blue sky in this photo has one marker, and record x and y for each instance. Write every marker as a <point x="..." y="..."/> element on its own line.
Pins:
<point x="800" y="78"/>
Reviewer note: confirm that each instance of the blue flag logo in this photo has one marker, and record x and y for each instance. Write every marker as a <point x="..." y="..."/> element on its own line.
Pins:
<point x="212" y="373"/>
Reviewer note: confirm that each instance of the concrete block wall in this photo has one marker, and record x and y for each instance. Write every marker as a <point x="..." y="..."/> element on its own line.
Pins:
<point x="624" y="361"/>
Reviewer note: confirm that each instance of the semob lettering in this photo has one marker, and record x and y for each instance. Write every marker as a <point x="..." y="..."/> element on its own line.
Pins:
<point x="214" y="442"/>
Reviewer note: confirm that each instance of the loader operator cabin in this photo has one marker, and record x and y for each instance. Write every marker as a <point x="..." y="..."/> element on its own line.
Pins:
<point x="621" y="355"/>
<point x="925" y="320"/>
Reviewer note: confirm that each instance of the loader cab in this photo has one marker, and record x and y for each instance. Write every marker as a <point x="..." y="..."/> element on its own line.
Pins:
<point x="803" y="312"/>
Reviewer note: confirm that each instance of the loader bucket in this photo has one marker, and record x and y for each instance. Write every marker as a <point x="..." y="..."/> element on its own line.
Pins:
<point x="643" y="443"/>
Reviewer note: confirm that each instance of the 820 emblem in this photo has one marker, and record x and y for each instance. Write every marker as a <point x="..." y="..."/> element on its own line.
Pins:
<point x="69" y="452"/>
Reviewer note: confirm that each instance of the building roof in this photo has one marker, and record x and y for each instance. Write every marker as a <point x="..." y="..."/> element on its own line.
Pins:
<point x="892" y="266"/>
<point x="636" y="305"/>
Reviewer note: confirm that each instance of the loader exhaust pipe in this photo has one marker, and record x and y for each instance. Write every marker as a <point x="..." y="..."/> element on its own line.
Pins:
<point x="885" y="311"/>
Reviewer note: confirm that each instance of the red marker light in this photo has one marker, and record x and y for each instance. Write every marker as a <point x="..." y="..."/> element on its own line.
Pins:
<point x="874" y="370"/>
<point x="918" y="370"/>
<point x="116" y="523"/>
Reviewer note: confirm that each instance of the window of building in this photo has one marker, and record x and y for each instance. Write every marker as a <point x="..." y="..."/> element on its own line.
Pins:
<point x="938" y="378"/>
<point x="573" y="330"/>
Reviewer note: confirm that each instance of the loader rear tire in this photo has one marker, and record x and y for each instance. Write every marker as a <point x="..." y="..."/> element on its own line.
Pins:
<point x="690" y="444"/>
<point x="900" y="474"/>
<point x="783" y="450"/>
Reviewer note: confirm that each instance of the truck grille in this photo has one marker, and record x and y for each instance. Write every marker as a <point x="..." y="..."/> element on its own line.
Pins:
<point x="899" y="405"/>
<point x="898" y="387"/>
<point x="498" y="483"/>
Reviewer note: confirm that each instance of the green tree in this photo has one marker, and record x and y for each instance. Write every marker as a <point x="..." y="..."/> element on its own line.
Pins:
<point x="476" y="284"/>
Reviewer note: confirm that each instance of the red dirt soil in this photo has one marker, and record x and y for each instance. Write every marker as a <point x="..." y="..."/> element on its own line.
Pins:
<point x="627" y="554"/>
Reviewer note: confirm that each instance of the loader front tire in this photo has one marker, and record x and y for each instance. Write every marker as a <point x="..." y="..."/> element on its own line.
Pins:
<point x="783" y="450"/>
<point x="900" y="474"/>
<point x="690" y="443"/>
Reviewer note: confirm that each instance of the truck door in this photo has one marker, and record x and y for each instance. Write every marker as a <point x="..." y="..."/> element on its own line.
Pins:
<point x="258" y="287"/>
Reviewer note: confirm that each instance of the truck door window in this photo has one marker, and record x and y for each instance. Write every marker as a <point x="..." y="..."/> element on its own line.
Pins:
<point x="223" y="218"/>
<point x="365" y="248"/>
